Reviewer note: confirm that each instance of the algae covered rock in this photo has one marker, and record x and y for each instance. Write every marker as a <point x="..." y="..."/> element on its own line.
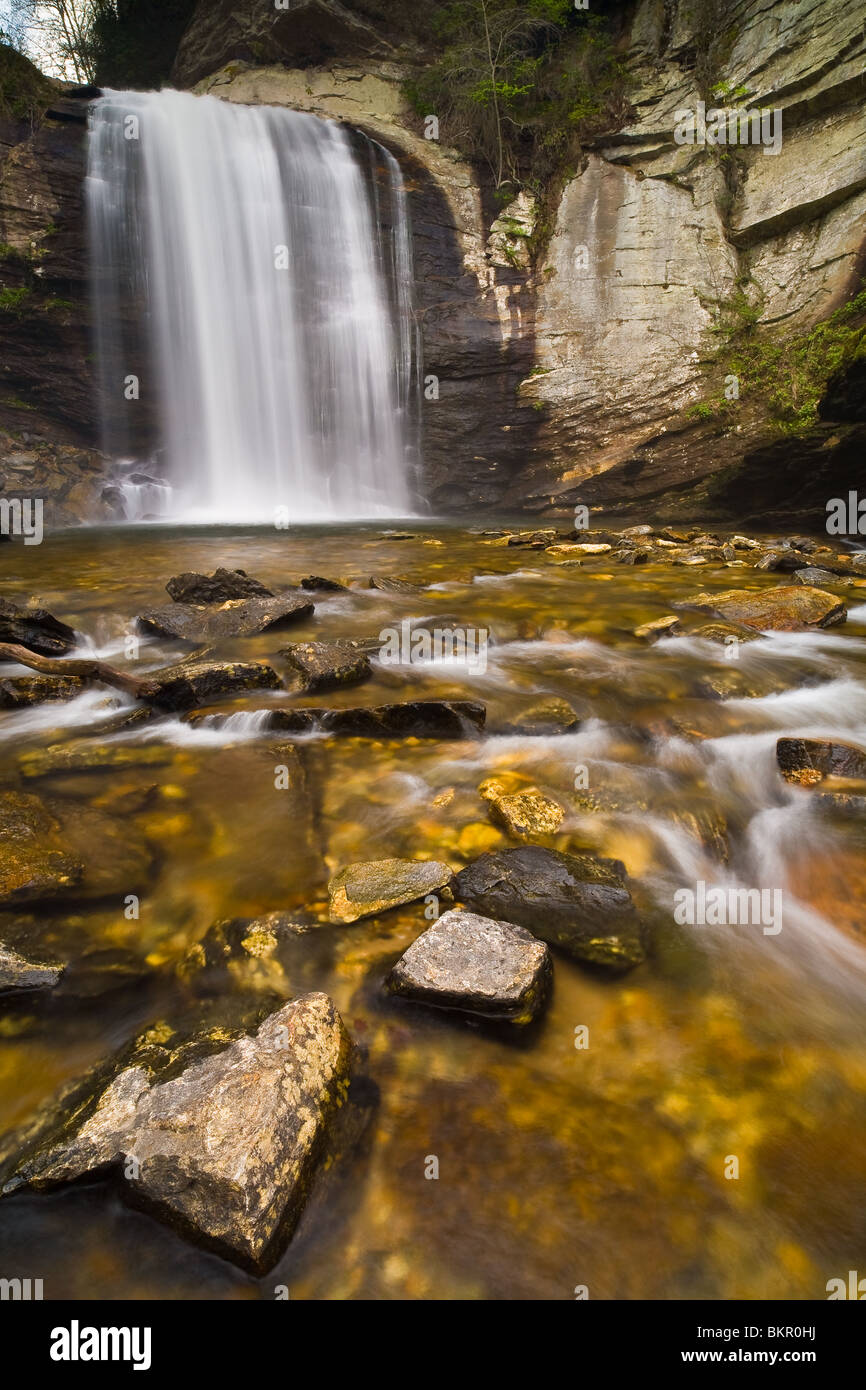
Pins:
<point x="476" y="965"/>
<point x="364" y="890"/>
<point x="327" y="665"/>
<point x="35" y="862"/>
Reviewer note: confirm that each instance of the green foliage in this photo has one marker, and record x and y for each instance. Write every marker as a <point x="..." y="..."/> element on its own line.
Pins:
<point x="24" y="91"/>
<point x="517" y="83"/>
<point x="14" y="301"/>
<point x="788" y="373"/>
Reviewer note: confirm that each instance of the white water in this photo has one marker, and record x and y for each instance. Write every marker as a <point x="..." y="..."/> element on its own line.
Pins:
<point x="270" y="279"/>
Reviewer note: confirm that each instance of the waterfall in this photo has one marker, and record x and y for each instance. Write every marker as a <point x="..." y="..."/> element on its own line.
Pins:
<point x="252" y="290"/>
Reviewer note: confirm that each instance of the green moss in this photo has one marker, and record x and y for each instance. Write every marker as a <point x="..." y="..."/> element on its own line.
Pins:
<point x="788" y="373"/>
<point x="14" y="301"/>
<point x="24" y="91"/>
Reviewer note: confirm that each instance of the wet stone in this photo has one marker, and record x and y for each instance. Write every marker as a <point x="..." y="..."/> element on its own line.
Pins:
<point x="477" y="965"/>
<point x="187" y="622"/>
<point x="365" y="890"/>
<point x="327" y="665"/>
<point x="220" y="587"/>
<point x="36" y="629"/>
<point x="18" y="975"/>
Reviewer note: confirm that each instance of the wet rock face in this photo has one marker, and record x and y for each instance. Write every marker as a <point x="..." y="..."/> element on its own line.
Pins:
<point x="807" y="761"/>
<point x="226" y="1150"/>
<point x="193" y="683"/>
<point x="36" y="629"/>
<point x="188" y="622"/>
<point x="579" y="903"/>
<point x="785" y="609"/>
<point x="477" y="965"/>
<point x="219" y="587"/>
<point x="327" y="665"/>
<point x="364" y="890"/>
<point x="18" y="692"/>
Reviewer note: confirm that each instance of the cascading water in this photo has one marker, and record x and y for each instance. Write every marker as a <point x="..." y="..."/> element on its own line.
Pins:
<point x="253" y="307"/>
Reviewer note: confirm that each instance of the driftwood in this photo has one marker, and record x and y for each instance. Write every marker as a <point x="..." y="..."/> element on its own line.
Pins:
<point x="142" y="689"/>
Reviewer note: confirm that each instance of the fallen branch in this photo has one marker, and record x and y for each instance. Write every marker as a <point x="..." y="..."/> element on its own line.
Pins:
<point x="87" y="670"/>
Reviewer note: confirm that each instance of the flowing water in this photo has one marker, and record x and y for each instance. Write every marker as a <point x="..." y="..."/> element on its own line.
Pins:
<point x="558" y="1166"/>
<point x="252" y="276"/>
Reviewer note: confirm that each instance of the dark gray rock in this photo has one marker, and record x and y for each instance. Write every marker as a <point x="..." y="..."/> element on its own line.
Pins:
<point x="327" y="665"/>
<point x="36" y="629"/>
<point x="579" y="903"/>
<point x="807" y="761"/>
<point x="188" y="622"/>
<point x="444" y="719"/>
<point x="194" y="683"/>
<point x="219" y="587"/>
<point x="818" y="577"/>
<point x="315" y="582"/>
<point x="19" y="692"/>
<point x="476" y="965"/>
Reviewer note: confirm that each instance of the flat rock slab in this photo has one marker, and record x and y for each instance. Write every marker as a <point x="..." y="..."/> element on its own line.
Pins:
<point x="18" y="975"/>
<point x="187" y="622"/>
<point x="476" y="965"/>
<point x="327" y="665"/>
<point x="194" y="683"/>
<point x="364" y="890"/>
<point x="816" y="577"/>
<point x="807" y="761"/>
<point x="227" y="1150"/>
<point x="220" y="587"/>
<point x="579" y="903"/>
<point x="545" y="717"/>
<point x="786" y="609"/>
<point x="36" y="629"/>
<point x="443" y="719"/>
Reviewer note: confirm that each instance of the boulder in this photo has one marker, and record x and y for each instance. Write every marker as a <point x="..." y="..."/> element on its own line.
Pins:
<point x="18" y="975"/>
<point x="579" y="903"/>
<point x="194" y="683"/>
<point x="196" y="623"/>
<point x="327" y="586"/>
<point x="785" y="609"/>
<point x="227" y="1149"/>
<point x="220" y="587"/>
<point x="445" y="719"/>
<point x="365" y="890"/>
<point x="807" y="761"/>
<point x="327" y="665"/>
<point x="476" y="965"/>
<point x="36" y="629"/>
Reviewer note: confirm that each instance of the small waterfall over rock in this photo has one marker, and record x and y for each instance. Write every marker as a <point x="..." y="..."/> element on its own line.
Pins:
<point x="252" y="289"/>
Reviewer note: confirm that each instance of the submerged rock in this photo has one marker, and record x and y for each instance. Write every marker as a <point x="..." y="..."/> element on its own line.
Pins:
<point x="88" y="755"/>
<point x="476" y="965"/>
<point x="188" y="622"/>
<point x="194" y="683"/>
<point x="773" y="610"/>
<point x="227" y="1149"/>
<point x="35" y="863"/>
<point x="393" y="585"/>
<point x="545" y="717"/>
<point x="18" y="975"/>
<point x="525" y="813"/>
<point x="579" y="903"/>
<point x="327" y="665"/>
<point x="36" y="629"/>
<point x="669" y="626"/>
<point x="365" y="890"/>
<point x="807" y="761"/>
<point x="219" y="587"/>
